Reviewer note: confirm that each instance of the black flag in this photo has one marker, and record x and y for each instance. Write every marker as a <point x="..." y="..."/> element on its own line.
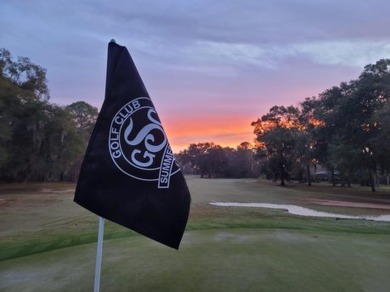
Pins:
<point x="129" y="174"/>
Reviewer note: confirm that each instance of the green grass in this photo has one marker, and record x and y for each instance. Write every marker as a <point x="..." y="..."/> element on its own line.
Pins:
<point x="48" y="243"/>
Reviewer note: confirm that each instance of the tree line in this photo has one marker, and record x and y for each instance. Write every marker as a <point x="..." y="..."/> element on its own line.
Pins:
<point x="39" y="141"/>
<point x="344" y="131"/>
<point x="210" y="160"/>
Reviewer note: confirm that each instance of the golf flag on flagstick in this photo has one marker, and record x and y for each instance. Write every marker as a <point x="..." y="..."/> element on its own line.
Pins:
<point x="129" y="174"/>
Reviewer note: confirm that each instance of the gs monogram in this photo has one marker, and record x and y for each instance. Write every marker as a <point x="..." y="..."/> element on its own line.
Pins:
<point x="138" y="145"/>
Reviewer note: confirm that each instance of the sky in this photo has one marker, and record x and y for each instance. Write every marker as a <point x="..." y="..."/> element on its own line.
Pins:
<point x="210" y="67"/>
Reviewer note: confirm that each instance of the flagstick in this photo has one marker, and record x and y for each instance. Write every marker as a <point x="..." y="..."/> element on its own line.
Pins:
<point x="99" y="253"/>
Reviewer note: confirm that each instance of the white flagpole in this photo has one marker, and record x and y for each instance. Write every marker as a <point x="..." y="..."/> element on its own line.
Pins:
<point x="99" y="253"/>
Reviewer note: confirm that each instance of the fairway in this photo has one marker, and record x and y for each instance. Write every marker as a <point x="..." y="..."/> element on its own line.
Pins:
<point x="48" y="243"/>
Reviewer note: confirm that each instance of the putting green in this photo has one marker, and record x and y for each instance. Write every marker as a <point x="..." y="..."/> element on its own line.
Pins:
<point x="213" y="260"/>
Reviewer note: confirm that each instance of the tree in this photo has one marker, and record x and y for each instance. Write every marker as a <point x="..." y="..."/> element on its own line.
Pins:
<point x="38" y="140"/>
<point x="381" y="141"/>
<point x="214" y="160"/>
<point x="84" y="115"/>
<point x="206" y="158"/>
<point x="64" y="145"/>
<point x="347" y="138"/>
<point x="374" y="96"/>
<point x="7" y="101"/>
<point x="196" y="157"/>
<point x="242" y="161"/>
<point x="24" y="96"/>
<point x="28" y="77"/>
<point x="277" y="135"/>
<point x="312" y="146"/>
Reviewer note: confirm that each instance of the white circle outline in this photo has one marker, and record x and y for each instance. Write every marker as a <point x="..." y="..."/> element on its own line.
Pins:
<point x="120" y="145"/>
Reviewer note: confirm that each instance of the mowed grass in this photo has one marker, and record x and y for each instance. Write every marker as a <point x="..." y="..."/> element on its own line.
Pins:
<point x="48" y="243"/>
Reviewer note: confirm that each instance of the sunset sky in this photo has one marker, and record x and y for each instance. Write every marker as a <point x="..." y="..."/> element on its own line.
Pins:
<point x="210" y="67"/>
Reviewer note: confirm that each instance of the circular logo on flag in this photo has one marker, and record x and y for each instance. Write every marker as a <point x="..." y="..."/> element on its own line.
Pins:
<point x="138" y="144"/>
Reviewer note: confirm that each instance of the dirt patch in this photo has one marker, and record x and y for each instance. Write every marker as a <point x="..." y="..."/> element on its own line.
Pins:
<point x="27" y="201"/>
<point x="36" y="188"/>
<point x="301" y="211"/>
<point x="53" y="191"/>
<point x="334" y="203"/>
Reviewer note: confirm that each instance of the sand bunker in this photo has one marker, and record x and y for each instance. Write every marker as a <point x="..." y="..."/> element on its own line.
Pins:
<point x="297" y="210"/>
